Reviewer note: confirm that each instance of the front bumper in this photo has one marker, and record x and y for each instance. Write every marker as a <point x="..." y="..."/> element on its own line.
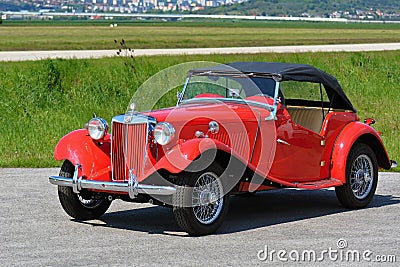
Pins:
<point x="132" y="187"/>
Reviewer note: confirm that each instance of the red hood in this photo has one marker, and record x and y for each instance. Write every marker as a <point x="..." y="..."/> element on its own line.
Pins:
<point x="202" y="113"/>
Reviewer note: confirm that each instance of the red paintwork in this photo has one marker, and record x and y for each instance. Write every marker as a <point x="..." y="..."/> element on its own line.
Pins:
<point x="344" y="142"/>
<point x="208" y="95"/>
<point x="369" y="121"/>
<point x="305" y="152"/>
<point x="93" y="156"/>
<point x="294" y="165"/>
<point x="332" y="126"/>
<point x="180" y="156"/>
<point x="261" y="99"/>
<point x="249" y="187"/>
<point x="238" y="129"/>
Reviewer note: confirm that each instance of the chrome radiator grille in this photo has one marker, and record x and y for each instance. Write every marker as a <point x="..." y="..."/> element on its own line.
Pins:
<point x="128" y="150"/>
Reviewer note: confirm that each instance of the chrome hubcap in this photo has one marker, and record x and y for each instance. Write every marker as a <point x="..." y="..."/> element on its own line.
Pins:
<point x="361" y="176"/>
<point x="207" y="198"/>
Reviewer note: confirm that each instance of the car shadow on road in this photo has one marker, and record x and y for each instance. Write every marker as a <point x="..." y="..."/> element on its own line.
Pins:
<point x="245" y="212"/>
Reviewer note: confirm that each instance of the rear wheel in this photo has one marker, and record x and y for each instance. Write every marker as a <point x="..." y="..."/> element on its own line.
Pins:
<point x="200" y="203"/>
<point x="83" y="206"/>
<point x="361" y="178"/>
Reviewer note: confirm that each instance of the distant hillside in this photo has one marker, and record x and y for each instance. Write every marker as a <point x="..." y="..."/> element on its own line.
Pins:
<point x="297" y="8"/>
<point x="15" y="6"/>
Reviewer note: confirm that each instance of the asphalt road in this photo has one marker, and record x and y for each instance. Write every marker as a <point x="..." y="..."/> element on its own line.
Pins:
<point x="35" y="231"/>
<point x="37" y="55"/>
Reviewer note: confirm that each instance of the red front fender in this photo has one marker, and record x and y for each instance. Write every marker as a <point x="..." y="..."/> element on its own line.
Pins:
<point x="351" y="133"/>
<point x="182" y="155"/>
<point x="94" y="157"/>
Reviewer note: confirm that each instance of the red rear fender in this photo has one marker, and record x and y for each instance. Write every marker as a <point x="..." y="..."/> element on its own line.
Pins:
<point x="352" y="133"/>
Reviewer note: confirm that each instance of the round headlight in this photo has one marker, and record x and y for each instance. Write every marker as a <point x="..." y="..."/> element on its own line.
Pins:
<point x="163" y="133"/>
<point x="97" y="128"/>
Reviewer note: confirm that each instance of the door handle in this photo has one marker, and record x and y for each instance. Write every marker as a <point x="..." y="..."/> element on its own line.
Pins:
<point x="283" y="142"/>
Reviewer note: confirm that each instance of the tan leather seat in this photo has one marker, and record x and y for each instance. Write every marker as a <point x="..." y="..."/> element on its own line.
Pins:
<point x="310" y="118"/>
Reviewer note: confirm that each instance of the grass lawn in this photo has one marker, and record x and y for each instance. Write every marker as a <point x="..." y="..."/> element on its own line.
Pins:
<point x="44" y="100"/>
<point x="90" y="35"/>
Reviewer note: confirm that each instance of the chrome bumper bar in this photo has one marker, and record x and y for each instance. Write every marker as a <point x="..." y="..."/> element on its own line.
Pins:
<point x="132" y="187"/>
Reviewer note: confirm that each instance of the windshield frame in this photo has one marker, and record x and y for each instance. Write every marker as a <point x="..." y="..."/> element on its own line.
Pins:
<point x="272" y="108"/>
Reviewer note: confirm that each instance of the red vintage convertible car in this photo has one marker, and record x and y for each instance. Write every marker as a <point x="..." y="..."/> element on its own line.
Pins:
<point x="236" y="128"/>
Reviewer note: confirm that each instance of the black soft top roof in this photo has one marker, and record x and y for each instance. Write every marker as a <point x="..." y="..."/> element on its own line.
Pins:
<point x="288" y="72"/>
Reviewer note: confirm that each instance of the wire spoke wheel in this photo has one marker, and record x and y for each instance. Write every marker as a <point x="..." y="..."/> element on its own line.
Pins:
<point x="207" y="199"/>
<point x="200" y="203"/>
<point x="361" y="178"/>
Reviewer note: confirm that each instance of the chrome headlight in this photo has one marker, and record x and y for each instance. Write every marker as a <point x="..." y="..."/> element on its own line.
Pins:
<point x="97" y="128"/>
<point x="163" y="133"/>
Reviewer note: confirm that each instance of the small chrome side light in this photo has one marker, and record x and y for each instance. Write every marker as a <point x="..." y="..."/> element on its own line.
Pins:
<point x="213" y="127"/>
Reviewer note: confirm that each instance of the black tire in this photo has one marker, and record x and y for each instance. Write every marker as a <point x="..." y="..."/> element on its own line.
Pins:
<point x="83" y="206"/>
<point x="246" y="194"/>
<point x="361" y="178"/>
<point x="187" y="214"/>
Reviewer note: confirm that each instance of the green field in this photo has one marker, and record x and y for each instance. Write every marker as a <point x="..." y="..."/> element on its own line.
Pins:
<point x="31" y="35"/>
<point x="44" y="100"/>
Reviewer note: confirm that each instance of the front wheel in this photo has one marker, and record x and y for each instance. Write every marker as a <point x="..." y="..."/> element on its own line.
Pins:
<point x="83" y="206"/>
<point x="361" y="178"/>
<point x="200" y="203"/>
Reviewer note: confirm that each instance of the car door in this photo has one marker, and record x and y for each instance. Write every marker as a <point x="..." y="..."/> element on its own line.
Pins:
<point x="298" y="153"/>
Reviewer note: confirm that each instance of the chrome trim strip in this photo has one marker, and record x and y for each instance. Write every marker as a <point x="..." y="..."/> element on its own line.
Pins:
<point x="111" y="150"/>
<point x="127" y="187"/>
<point x="132" y="185"/>
<point x="274" y="108"/>
<point x="182" y="94"/>
<point x="235" y="73"/>
<point x="145" y="149"/>
<point x="228" y="100"/>
<point x="75" y="180"/>
<point x="134" y="118"/>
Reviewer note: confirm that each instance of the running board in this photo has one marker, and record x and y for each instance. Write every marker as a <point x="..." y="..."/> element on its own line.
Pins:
<point x="330" y="182"/>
